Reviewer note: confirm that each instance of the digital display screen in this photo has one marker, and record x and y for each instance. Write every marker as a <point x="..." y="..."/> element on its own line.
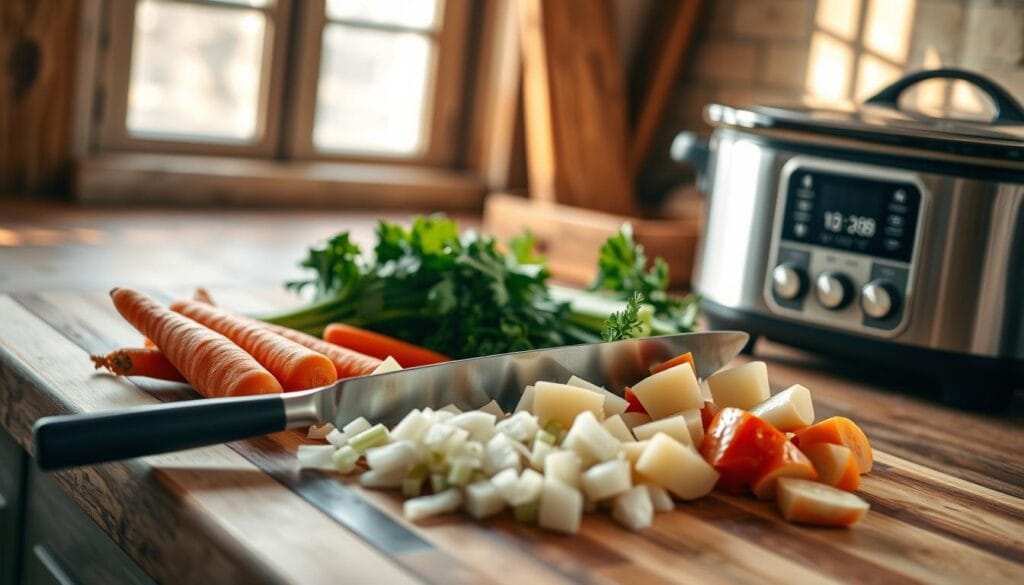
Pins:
<point x="876" y="218"/>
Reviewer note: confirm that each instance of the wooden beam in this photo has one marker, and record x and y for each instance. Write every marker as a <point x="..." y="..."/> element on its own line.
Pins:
<point x="37" y="49"/>
<point x="577" y="131"/>
<point x="671" y="28"/>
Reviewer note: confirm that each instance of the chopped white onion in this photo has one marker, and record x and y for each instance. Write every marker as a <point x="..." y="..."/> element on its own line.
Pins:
<point x="316" y="457"/>
<point x="355" y="427"/>
<point x="560" y="508"/>
<point x="588" y="433"/>
<point x="483" y="499"/>
<point x="412" y="427"/>
<point x="422" y="507"/>
<point x="393" y="457"/>
<point x="606" y="480"/>
<point x="500" y="454"/>
<point x="633" y="508"/>
<point x="660" y="498"/>
<point x="382" y="479"/>
<point x="521" y="426"/>
<point x="480" y="424"/>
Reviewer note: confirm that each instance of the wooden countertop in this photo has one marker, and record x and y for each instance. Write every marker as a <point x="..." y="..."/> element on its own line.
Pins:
<point x="947" y="492"/>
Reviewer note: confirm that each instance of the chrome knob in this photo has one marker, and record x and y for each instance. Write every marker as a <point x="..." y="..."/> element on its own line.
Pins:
<point x="878" y="299"/>
<point x="833" y="290"/>
<point x="789" y="281"/>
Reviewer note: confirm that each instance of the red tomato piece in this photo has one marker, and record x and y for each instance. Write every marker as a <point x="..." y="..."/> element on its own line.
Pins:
<point x="739" y="446"/>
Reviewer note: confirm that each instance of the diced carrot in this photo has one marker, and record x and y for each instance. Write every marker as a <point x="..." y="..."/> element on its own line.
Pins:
<point x="633" y="403"/>
<point x="686" y="358"/>
<point x="835" y="464"/>
<point x="381" y="346"/>
<point x="739" y="446"/>
<point x="790" y="463"/>
<point x="707" y="414"/>
<point x="839" y="430"/>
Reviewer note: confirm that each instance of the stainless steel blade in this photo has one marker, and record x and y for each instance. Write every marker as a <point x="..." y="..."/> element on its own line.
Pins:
<point x="471" y="383"/>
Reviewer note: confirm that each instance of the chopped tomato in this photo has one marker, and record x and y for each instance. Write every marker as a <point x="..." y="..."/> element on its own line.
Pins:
<point x="707" y="414"/>
<point x="633" y="401"/>
<point x="791" y="462"/>
<point x="739" y="446"/>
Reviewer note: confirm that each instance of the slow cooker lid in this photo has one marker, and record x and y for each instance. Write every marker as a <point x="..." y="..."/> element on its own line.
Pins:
<point x="879" y="120"/>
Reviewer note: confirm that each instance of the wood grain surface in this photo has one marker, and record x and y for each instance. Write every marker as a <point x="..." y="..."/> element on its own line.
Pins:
<point x="946" y="493"/>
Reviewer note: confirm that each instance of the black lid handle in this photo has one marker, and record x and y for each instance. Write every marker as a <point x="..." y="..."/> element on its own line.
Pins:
<point x="1007" y="108"/>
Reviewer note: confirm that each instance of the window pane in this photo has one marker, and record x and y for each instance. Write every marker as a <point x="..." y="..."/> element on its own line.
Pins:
<point x="372" y="91"/>
<point x="419" y="14"/>
<point x="195" y="72"/>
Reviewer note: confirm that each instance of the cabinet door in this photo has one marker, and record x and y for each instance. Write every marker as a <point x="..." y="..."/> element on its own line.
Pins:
<point x="12" y="474"/>
<point x="63" y="545"/>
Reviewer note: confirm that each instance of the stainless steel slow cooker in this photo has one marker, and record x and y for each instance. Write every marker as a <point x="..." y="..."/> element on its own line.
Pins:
<point x="873" y="233"/>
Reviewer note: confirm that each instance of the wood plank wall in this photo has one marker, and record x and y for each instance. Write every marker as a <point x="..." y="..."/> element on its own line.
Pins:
<point x="37" y="63"/>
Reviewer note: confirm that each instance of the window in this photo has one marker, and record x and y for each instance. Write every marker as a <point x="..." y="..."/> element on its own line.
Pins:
<point x="302" y="80"/>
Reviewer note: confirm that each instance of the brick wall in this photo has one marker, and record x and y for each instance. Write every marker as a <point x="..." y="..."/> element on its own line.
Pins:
<point x="758" y="51"/>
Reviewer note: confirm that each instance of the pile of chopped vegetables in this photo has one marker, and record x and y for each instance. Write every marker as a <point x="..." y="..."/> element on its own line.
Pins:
<point x="463" y="295"/>
<point x="573" y="447"/>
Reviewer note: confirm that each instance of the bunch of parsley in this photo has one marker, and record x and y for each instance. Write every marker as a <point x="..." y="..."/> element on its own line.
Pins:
<point x="463" y="296"/>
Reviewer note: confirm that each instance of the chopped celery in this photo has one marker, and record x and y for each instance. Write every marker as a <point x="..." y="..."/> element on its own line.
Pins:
<point x="412" y="485"/>
<point x="526" y="513"/>
<point x="554" y="427"/>
<point x="545" y="437"/>
<point x="345" y="459"/>
<point x="438" y="482"/>
<point x="371" y="437"/>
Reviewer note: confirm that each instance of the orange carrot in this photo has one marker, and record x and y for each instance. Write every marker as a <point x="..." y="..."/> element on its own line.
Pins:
<point x="347" y="362"/>
<point x="296" y="367"/>
<point x="790" y="462"/>
<point x="209" y="361"/>
<point x="838" y="431"/>
<point x="137" y="361"/>
<point x="836" y="465"/>
<point x="381" y="346"/>
<point x="686" y="358"/>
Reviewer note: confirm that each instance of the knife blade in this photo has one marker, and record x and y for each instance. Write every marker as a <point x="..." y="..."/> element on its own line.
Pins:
<point x="82" y="439"/>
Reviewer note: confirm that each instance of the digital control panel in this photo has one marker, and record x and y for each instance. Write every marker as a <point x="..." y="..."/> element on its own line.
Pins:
<point x="843" y="245"/>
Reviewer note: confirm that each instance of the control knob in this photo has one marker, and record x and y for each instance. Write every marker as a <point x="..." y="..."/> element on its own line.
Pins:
<point x="879" y="299"/>
<point x="833" y="290"/>
<point x="789" y="281"/>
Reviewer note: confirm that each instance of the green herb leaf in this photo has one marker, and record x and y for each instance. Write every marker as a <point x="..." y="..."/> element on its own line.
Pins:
<point x="624" y="324"/>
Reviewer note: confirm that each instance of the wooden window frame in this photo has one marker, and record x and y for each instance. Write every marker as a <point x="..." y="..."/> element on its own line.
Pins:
<point x="472" y="145"/>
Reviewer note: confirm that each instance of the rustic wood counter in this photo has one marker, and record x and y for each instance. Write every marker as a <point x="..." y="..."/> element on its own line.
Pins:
<point x="947" y="492"/>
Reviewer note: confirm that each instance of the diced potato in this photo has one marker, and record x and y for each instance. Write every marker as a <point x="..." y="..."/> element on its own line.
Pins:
<point x="810" y="502"/>
<point x="632" y="451"/>
<point x="789" y="410"/>
<point x="478" y="423"/>
<point x="742" y="387"/>
<point x="633" y="508"/>
<point x="617" y="428"/>
<point x="483" y="499"/>
<point x="564" y="466"/>
<point x="561" y="402"/>
<point x="635" y="419"/>
<point x="695" y="424"/>
<point x="518" y="489"/>
<point x="561" y="507"/>
<point x="450" y="408"/>
<point x="316" y="457"/>
<point x="669" y="391"/>
<point x="594" y="439"/>
<point x="445" y="502"/>
<point x="389" y="364"/>
<point x="673" y="426"/>
<point x="494" y="408"/>
<point x="660" y="499"/>
<point x="526" y="400"/>
<point x="613" y="403"/>
<point x="606" y="480"/>
<point x="676" y="467"/>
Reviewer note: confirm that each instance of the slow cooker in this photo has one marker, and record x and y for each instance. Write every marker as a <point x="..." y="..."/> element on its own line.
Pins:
<point x="873" y="233"/>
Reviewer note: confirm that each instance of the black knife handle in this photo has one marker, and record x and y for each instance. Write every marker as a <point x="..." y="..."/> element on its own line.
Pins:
<point x="83" y="439"/>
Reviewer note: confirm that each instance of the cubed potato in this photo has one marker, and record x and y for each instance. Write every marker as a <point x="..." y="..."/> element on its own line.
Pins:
<point x="676" y="467"/>
<point x="560" y="508"/>
<point x="606" y="480"/>
<point x="563" y="465"/>
<point x="635" y="419"/>
<point x="613" y="403"/>
<point x="494" y="408"/>
<point x="633" y="509"/>
<point x="526" y="400"/>
<point x="789" y="410"/>
<point x="743" y="387"/>
<point x="561" y="402"/>
<point x="588" y="434"/>
<point x="483" y="499"/>
<point x="617" y="428"/>
<point x="835" y="464"/>
<point x="387" y="366"/>
<point x="659" y="498"/>
<point x="673" y="426"/>
<point x="695" y="424"/>
<point x="632" y="451"/>
<point x="810" y="502"/>
<point x="669" y="391"/>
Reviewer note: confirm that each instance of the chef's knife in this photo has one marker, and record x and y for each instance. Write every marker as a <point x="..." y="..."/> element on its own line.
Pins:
<point x="83" y="439"/>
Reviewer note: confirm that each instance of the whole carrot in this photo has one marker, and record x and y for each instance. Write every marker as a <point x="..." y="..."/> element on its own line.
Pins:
<point x="209" y="361"/>
<point x="138" y="361"/>
<point x="347" y="362"/>
<point x="381" y="346"/>
<point x="295" y="366"/>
